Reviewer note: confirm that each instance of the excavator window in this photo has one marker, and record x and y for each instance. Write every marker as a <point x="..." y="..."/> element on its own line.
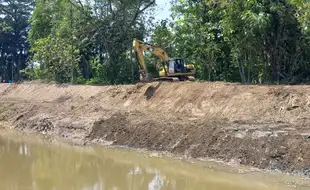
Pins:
<point x="180" y="65"/>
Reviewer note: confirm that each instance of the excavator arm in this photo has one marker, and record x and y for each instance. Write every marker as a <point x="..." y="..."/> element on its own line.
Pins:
<point x="139" y="47"/>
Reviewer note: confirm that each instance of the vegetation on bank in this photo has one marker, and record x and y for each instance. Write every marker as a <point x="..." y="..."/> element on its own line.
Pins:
<point x="254" y="41"/>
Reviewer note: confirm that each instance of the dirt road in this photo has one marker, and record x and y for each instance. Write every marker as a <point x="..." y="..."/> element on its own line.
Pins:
<point x="261" y="126"/>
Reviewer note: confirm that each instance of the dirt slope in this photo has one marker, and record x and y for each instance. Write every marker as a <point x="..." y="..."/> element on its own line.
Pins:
<point x="262" y="126"/>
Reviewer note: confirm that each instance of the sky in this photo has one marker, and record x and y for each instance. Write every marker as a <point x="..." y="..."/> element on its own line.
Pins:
<point x="163" y="9"/>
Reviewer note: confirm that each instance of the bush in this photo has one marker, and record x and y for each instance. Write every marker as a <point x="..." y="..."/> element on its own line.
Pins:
<point x="96" y="80"/>
<point x="80" y="80"/>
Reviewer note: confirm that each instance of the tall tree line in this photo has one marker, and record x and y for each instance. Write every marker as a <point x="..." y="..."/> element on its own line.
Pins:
<point x="90" y="41"/>
<point x="256" y="41"/>
<point x="72" y="40"/>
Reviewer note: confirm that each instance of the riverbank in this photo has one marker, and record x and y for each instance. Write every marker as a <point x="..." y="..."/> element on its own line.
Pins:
<point x="261" y="126"/>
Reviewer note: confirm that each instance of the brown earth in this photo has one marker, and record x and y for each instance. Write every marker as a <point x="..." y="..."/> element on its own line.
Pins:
<point x="262" y="126"/>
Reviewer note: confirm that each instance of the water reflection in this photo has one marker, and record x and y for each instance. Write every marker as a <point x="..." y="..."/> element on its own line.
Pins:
<point x="25" y="166"/>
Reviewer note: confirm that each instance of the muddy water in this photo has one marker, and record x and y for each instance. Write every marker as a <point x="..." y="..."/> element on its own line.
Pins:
<point x="28" y="163"/>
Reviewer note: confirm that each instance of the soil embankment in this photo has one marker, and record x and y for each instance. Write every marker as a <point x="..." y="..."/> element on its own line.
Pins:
<point x="261" y="126"/>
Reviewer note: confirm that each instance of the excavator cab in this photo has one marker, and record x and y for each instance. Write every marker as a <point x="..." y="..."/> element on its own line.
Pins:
<point x="178" y="70"/>
<point x="177" y="65"/>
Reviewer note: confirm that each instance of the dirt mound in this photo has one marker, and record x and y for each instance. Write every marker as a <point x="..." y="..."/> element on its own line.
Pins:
<point x="220" y="101"/>
<point x="261" y="126"/>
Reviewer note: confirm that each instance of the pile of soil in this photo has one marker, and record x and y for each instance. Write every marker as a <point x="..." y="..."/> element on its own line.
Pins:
<point x="262" y="126"/>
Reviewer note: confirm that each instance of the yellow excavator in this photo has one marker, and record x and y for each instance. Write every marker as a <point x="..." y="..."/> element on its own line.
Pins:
<point x="171" y="69"/>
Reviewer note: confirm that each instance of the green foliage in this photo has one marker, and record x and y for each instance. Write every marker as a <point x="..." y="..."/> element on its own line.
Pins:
<point x="99" y="75"/>
<point x="13" y="33"/>
<point x="151" y="63"/>
<point x="57" y="58"/>
<point x="74" y="40"/>
<point x="261" y="41"/>
<point x="161" y="36"/>
<point x="247" y="41"/>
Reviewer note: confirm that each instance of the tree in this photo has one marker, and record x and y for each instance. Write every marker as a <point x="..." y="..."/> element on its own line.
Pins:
<point x="99" y="35"/>
<point x="13" y="37"/>
<point x="260" y="41"/>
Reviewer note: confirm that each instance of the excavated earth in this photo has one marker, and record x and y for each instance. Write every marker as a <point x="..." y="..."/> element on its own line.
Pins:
<point x="261" y="126"/>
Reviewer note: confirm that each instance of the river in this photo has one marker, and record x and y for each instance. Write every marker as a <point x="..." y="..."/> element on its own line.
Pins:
<point x="33" y="163"/>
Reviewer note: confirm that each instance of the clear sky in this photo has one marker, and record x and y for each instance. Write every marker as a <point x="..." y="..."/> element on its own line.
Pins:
<point x="163" y="9"/>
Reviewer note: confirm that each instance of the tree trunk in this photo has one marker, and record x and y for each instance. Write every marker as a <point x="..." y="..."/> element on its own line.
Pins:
<point x="249" y="68"/>
<point x="3" y="64"/>
<point x="241" y="71"/>
<point x="14" y="75"/>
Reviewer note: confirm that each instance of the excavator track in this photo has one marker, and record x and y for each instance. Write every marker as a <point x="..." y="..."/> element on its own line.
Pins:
<point x="168" y="79"/>
<point x="191" y="78"/>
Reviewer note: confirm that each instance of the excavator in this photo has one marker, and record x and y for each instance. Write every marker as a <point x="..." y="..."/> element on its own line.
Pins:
<point x="170" y="69"/>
